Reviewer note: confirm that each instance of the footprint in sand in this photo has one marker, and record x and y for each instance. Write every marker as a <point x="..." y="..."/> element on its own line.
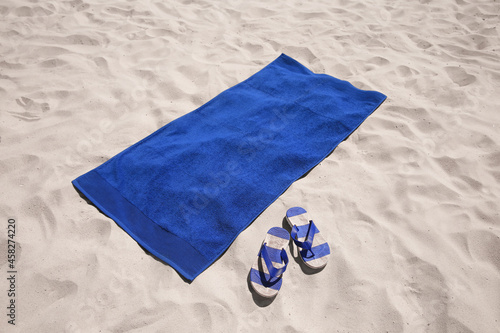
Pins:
<point x="459" y="76"/>
<point x="52" y="290"/>
<point x="31" y="109"/>
<point x="425" y="294"/>
<point x="39" y="211"/>
<point x="29" y="105"/>
<point x="95" y="230"/>
<point x="484" y="246"/>
<point x="405" y="71"/>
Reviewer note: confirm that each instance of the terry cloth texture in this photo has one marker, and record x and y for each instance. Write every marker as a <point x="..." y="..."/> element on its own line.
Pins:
<point x="187" y="190"/>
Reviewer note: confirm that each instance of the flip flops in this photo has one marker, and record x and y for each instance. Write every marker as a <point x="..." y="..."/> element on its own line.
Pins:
<point x="313" y="248"/>
<point x="266" y="274"/>
<point x="267" y="271"/>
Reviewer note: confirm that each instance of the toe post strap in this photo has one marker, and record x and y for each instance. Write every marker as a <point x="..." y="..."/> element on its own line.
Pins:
<point x="309" y="237"/>
<point x="273" y="271"/>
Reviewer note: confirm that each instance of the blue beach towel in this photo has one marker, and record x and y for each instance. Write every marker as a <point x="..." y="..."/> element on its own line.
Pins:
<point x="187" y="190"/>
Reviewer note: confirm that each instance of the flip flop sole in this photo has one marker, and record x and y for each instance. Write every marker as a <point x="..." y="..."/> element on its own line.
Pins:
<point x="276" y="240"/>
<point x="298" y="216"/>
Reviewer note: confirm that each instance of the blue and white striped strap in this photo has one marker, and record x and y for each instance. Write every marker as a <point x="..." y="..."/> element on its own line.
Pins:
<point x="307" y="243"/>
<point x="273" y="271"/>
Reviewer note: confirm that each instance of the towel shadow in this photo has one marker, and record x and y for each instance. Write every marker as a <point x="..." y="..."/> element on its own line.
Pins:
<point x="314" y="167"/>
<point x="161" y="262"/>
<point x="85" y="198"/>
<point x="295" y="253"/>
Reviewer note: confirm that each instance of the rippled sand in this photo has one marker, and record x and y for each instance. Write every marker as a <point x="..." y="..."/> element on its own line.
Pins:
<point x="409" y="202"/>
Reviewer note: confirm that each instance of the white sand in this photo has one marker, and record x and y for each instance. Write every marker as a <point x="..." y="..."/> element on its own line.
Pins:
<point x="409" y="202"/>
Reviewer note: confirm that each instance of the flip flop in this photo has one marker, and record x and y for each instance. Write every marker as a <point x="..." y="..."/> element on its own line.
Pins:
<point x="267" y="271"/>
<point x="313" y="248"/>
